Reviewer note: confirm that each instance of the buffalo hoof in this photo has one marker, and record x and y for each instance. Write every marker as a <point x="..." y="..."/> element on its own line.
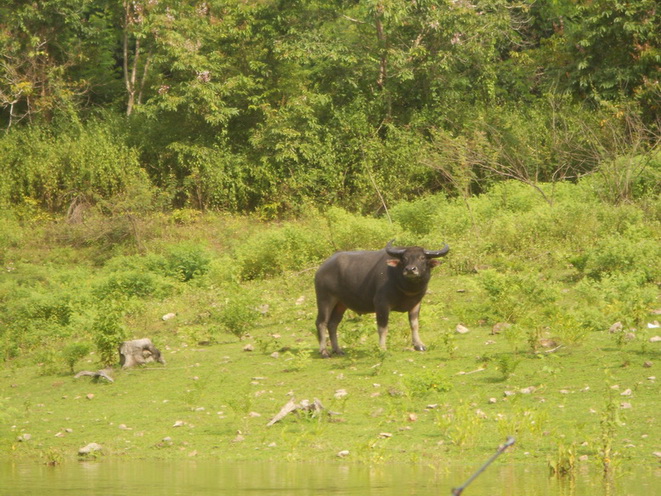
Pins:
<point x="324" y="354"/>
<point x="419" y="347"/>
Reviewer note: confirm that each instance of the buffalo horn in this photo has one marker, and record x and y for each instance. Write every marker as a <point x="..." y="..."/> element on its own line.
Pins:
<point x="439" y="253"/>
<point x="394" y="252"/>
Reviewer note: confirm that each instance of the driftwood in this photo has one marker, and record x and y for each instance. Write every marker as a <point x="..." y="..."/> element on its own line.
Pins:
<point x="304" y="406"/>
<point x="138" y="352"/>
<point x="99" y="374"/>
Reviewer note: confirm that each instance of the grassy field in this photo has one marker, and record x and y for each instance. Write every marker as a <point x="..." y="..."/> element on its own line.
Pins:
<point x="538" y="286"/>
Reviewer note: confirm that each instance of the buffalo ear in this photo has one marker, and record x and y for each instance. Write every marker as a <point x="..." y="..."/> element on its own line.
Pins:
<point x="393" y="262"/>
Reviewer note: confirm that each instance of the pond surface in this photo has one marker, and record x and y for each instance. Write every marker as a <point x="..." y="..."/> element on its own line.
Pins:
<point x="192" y="478"/>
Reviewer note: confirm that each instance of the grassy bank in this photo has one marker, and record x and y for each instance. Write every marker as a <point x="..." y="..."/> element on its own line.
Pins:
<point x="538" y="284"/>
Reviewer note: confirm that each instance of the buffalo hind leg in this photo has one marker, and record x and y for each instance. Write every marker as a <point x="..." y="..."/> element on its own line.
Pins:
<point x="335" y="319"/>
<point x="324" y="311"/>
<point x="413" y="321"/>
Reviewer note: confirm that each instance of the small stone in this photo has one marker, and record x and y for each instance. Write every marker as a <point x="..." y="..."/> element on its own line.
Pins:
<point x="275" y="354"/>
<point x="657" y="454"/>
<point x="480" y="414"/>
<point x="626" y="392"/>
<point x="385" y="435"/>
<point x="548" y="343"/>
<point x="343" y="453"/>
<point x="340" y="393"/>
<point x="617" y="327"/>
<point x="179" y="423"/>
<point x="169" y="316"/>
<point x="300" y="300"/>
<point x="433" y="406"/>
<point x="167" y="439"/>
<point x="59" y="434"/>
<point x="412" y="417"/>
<point x="625" y="406"/>
<point x="528" y="390"/>
<point x="500" y="327"/>
<point x="655" y="339"/>
<point x="462" y="329"/>
<point x="90" y="448"/>
<point x="509" y="393"/>
<point x="583" y="458"/>
<point x="123" y="427"/>
<point x="492" y="401"/>
<point x="254" y="415"/>
<point x="272" y="445"/>
<point x="564" y="391"/>
<point x="24" y="437"/>
<point x="248" y="347"/>
<point x="648" y="364"/>
<point x="90" y="396"/>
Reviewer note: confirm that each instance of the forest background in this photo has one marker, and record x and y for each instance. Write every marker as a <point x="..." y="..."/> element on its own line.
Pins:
<point x="275" y="106"/>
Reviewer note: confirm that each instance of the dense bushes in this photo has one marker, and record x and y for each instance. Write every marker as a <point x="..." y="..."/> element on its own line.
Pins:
<point x="55" y="166"/>
<point x="571" y="267"/>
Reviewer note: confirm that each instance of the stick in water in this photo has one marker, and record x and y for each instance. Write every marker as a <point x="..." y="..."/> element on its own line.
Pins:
<point x="458" y="490"/>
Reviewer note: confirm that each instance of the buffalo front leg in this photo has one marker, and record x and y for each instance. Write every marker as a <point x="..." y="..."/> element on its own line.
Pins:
<point x="413" y="321"/>
<point x="382" y="326"/>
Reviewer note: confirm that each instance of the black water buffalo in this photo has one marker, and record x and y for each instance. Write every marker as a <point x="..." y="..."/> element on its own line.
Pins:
<point x="392" y="279"/>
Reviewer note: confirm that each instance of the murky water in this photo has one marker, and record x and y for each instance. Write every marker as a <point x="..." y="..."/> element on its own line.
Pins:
<point x="190" y="478"/>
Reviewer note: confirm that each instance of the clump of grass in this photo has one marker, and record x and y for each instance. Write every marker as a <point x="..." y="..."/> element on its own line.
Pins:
<point x="425" y="382"/>
<point x="564" y="462"/>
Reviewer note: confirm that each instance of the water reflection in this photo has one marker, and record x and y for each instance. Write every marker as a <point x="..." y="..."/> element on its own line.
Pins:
<point x="170" y="478"/>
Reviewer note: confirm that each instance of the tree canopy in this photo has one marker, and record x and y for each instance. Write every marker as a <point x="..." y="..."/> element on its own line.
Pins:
<point x="272" y="103"/>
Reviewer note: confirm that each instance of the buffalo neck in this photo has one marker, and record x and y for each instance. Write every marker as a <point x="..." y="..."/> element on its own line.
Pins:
<point x="412" y="287"/>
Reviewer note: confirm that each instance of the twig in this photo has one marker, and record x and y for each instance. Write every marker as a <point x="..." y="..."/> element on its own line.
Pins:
<point x="458" y="490"/>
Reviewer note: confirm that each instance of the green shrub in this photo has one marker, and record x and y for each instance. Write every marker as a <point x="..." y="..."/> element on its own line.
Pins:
<point x="127" y="284"/>
<point x="419" y="216"/>
<point x="621" y="254"/>
<point x="74" y="352"/>
<point x="278" y="249"/>
<point x="511" y="296"/>
<point x="109" y="332"/>
<point x="351" y="232"/>
<point x="187" y="261"/>
<point x="55" y="165"/>
<point x="239" y="314"/>
<point x="620" y="297"/>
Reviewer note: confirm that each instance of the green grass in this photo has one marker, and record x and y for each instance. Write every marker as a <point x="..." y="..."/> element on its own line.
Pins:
<point x="577" y="389"/>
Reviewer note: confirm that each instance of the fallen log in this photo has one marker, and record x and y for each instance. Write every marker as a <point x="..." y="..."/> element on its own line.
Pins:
<point x="304" y="406"/>
<point x="99" y="374"/>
